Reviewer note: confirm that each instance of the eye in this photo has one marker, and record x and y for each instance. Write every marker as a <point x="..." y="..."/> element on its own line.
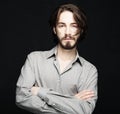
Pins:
<point x="61" y="25"/>
<point x="75" y="25"/>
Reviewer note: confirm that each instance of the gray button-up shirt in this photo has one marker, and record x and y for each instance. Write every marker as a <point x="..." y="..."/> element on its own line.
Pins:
<point x="57" y="89"/>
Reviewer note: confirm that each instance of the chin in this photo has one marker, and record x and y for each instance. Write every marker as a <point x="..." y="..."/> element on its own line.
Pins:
<point x="68" y="47"/>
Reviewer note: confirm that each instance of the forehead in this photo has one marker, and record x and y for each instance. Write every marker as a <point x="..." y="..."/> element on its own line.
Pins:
<point x="66" y="17"/>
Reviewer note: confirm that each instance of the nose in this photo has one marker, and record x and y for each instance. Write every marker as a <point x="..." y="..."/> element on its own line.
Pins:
<point x="67" y="31"/>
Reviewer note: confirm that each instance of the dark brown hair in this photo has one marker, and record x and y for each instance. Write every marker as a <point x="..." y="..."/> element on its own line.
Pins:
<point x="79" y="16"/>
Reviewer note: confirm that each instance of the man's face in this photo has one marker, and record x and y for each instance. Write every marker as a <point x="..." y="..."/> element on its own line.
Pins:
<point x="67" y="30"/>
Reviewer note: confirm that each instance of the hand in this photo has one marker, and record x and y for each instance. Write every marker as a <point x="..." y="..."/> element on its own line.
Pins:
<point x="34" y="90"/>
<point x="85" y="94"/>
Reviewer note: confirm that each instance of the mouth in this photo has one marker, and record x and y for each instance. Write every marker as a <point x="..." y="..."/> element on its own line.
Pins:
<point x="68" y="38"/>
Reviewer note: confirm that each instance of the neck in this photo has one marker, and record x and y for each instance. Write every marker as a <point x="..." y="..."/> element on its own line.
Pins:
<point x="65" y="54"/>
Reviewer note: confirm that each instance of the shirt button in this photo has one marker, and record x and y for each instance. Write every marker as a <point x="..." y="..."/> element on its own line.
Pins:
<point x="53" y="104"/>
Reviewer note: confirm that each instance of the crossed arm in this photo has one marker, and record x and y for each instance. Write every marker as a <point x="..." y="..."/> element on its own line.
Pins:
<point x="38" y="99"/>
<point x="43" y="100"/>
<point x="83" y="95"/>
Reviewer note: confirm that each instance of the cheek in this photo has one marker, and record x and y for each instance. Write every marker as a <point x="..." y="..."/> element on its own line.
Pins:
<point x="77" y="35"/>
<point x="59" y="33"/>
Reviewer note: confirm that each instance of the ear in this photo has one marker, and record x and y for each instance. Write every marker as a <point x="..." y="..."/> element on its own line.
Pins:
<point x="54" y="30"/>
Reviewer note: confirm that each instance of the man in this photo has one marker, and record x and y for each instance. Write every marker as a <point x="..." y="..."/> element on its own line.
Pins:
<point x="59" y="81"/>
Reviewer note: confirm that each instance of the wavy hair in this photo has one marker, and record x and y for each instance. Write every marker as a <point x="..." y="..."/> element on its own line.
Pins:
<point x="78" y="14"/>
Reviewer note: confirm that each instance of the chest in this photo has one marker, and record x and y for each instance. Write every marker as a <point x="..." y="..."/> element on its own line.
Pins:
<point x="49" y="76"/>
<point x="63" y="65"/>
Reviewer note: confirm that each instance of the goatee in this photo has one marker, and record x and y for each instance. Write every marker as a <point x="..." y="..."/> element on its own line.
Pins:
<point x="68" y="45"/>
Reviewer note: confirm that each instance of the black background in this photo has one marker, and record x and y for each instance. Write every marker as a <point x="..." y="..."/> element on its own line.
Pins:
<point x="24" y="28"/>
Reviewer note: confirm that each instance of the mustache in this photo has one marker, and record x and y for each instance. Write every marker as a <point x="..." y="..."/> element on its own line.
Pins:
<point x="68" y="37"/>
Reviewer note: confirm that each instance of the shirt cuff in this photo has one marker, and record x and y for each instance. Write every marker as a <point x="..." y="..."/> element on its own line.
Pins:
<point x="42" y="93"/>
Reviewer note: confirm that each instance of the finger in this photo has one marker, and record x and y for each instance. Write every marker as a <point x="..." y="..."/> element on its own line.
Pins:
<point x="84" y="94"/>
<point x="87" y="96"/>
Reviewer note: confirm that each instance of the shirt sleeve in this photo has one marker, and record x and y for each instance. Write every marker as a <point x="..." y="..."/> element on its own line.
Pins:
<point x="24" y="97"/>
<point x="70" y="104"/>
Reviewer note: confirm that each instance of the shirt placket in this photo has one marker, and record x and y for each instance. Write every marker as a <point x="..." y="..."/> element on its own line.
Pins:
<point x="60" y="75"/>
<point x="58" y="86"/>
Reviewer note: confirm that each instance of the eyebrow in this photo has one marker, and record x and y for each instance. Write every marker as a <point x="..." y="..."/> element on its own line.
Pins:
<point x="64" y="23"/>
<point x="60" y="23"/>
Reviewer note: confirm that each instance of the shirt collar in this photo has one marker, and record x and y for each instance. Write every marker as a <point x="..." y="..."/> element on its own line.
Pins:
<point x="53" y="52"/>
<point x="78" y="59"/>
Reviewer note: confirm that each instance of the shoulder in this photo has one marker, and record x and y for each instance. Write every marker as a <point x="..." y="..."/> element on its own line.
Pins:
<point x="89" y="70"/>
<point x="38" y="54"/>
<point x="87" y="64"/>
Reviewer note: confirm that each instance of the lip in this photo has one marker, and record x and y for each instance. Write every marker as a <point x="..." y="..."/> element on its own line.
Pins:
<point x="68" y="38"/>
